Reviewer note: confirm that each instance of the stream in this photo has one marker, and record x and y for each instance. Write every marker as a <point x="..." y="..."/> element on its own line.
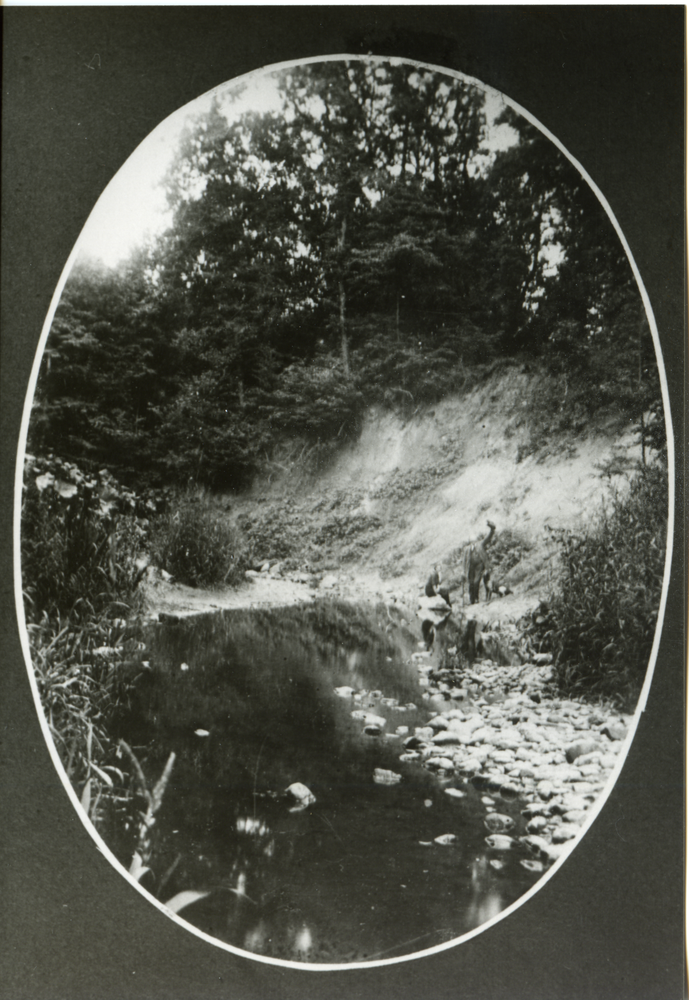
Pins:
<point x="248" y="702"/>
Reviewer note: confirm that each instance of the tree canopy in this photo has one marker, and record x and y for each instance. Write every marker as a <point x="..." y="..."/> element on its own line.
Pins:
<point x="364" y="242"/>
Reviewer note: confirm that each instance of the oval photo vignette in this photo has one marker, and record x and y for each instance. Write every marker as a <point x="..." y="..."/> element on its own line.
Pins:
<point x="348" y="414"/>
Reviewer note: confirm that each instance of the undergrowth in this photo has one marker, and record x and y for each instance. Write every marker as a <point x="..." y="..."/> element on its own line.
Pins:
<point x="82" y="536"/>
<point x="601" y="621"/>
<point x="195" y="543"/>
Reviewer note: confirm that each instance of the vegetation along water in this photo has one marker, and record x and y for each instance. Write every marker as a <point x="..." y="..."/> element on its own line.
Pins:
<point x="384" y="256"/>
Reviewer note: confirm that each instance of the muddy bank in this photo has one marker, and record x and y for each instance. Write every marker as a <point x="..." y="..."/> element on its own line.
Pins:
<point x="271" y="589"/>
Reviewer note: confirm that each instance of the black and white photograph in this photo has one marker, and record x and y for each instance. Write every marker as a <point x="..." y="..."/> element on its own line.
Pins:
<point x="343" y="519"/>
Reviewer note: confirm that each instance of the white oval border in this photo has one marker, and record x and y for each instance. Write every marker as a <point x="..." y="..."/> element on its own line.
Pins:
<point x="21" y="452"/>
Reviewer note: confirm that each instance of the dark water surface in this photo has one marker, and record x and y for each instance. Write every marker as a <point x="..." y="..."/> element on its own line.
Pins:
<point x="345" y="879"/>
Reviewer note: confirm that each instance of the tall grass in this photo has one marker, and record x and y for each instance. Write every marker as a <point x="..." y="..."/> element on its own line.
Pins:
<point x="80" y="538"/>
<point x="601" y="621"/>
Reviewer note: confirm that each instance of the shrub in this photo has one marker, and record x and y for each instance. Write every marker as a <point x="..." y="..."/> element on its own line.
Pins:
<point x="601" y="623"/>
<point x="197" y="545"/>
<point x="80" y="536"/>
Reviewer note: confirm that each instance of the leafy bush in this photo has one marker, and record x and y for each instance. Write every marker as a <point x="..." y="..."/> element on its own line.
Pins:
<point x="197" y="545"/>
<point x="80" y="536"/>
<point x="601" y="623"/>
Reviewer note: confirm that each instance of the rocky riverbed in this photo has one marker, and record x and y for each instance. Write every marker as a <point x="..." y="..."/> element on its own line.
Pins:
<point x="501" y="729"/>
<point x="494" y="724"/>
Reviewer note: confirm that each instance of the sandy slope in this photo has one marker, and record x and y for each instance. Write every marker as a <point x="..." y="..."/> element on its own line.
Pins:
<point x="411" y="493"/>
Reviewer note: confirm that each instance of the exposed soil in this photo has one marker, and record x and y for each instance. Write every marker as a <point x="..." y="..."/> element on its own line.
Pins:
<point x="410" y="493"/>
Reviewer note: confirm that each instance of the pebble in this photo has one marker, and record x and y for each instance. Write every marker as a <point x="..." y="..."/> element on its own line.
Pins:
<point x="440" y="762"/>
<point x="508" y="739"/>
<point x="580" y="749"/>
<point x="531" y="865"/>
<point x="500" y="842"/>
<point x="384" y="777"/>
<point x="497" y="823"/>
<point x="302" y="795"/>
<point x="565" y="832"/>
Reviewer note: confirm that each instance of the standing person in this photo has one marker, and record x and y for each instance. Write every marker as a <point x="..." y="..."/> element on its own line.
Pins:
<point x="477" y="565"/>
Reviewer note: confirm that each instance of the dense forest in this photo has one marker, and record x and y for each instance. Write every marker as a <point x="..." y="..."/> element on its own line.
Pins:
<point x="366" y="243"/>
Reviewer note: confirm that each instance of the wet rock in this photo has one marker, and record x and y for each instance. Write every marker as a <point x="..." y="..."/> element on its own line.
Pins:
<point x="446" y="738"/>
<point x="469" y="766"/>
<point x="579" y="749"/>
<point x="507" y="741"/>
<point x="424" y="732"/>
<point x="455" y="793"/>
<point x="413" y="742"/>
<point x="445" y="839"/>
<point x="368" y="718"/>
<point x="383" y="777"/>
<point x="537" y="809"/>
<point x="534" y="844"/>
<point x="571" y="802"/>
<point x="374" y="731"/>
<point x="546" y="789"/>
<point x="537" y="824"/>
<point x="582" y="787"/>
<point x="497" y="864"/>
<point x="480" y="782"/>
<point x="576" y="816"/>
<point x="495" y="781"/>
<point x="531" y="865"/>
<point x="402" y="730"/>
<point x="487" y="801"/>
<point x="498" y="823"/>
<point x="440" y="763"/>
<point x="552" y="852"/>
<point x="438" y="722"/>
<point x="500" y="842"/>
<point x="509" y="792"/>
<point x="589" y="770"/>
<point x="484" y="734"/>
<point x="300" y="794"/>
<point x="344" y="692"/>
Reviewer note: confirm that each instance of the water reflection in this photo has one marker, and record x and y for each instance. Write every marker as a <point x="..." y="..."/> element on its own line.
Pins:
<point x="363" y="870"/>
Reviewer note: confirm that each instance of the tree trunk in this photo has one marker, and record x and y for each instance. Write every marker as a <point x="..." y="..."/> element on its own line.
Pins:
<point x="343" y="298"/>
